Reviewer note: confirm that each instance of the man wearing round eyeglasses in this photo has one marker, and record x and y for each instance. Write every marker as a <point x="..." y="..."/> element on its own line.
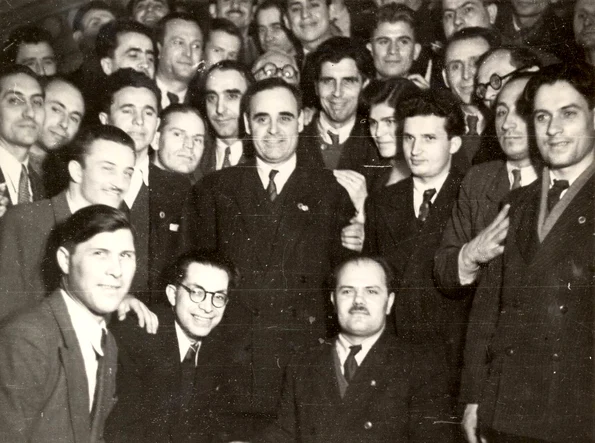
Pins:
<point x="276" y="64"/>
<point x="168" y="380"/>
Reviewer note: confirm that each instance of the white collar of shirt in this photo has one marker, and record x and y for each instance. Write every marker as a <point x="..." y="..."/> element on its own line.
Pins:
<point x="164" y="98"/>
<point x="528" y="174"/>
<point x="236" y="151"/>
<point x="571" y="180"/>
<point x="342" y="346"/>
<point x="285" y="171"/>
<point x="88" y="333"/>
<point x="419" y="188"/>
<point x="139" y="176"/>
<point x="184" y="342"/>
<point x="343" y="132"/>
<point x="11" y="168"/>
<point x="480" y="121"/>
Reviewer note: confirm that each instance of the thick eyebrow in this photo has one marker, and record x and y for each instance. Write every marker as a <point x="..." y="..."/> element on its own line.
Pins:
<point x="232" y="91"/>
<point x="56" y="102"/>
<point x="459" y="7"/>
<point x="130" y="50"/>
<point x="287" y="114"/>
<point x="260" y="114"/>
<point x="351" y="79"/>
<point x="563" y="108"/>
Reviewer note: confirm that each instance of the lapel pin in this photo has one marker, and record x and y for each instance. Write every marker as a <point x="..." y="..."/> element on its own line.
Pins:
<point x="582" y="219"/>
<point x="303" y="207"/>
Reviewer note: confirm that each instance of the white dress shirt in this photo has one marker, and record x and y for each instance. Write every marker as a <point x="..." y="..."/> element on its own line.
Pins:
<point x="419" y="188"/>
<point x="236" y="151"/>
<point x="88" y="333"/>
<point x="11" y="168"/>
<point x="528" y="174"/>
<point x="184" y="343"/>
<point x="342" y="346"/>
<point x="343" y="132"/>
<point x="139" y="176"/>
<point x="285" y="171"/>
<point x="164" y="98"/>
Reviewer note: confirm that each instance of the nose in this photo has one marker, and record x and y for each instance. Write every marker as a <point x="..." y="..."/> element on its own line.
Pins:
<point x="469" y="71"/>
<point x="28" y="111"/>
<point x="458" y="20"/>
<point x="392" y="47"/>
<point x="206" y="305"/>
<point x="555" y="126"/>
<point x="338" y="89"/>
<point x="144" y="63"/>
<point x="509" y="122"/>
<point x="306" y="12"/>
<point x="115" y="266"/>
<point x="358" y="297"/>
<point x="220" y="106"/>
<point x="64" y="121"/>
<point x="188" y="143"/>
<point x="37" y="68"/>
<point x="138" y="119"/>
<point x="414" y="147"/>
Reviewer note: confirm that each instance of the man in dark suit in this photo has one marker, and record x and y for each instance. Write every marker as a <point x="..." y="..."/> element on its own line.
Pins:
<point x="528" y="373"/>
<point x="170" y="384"/>
<point x="404" y="224"/>
<point x="477" y="227"/>
<point x="21" y="116"/>
<point x="59" y="360"/>
<point x="154" y="197"/>
<point x="281" y="225"/>
<point x="361" y="386"/>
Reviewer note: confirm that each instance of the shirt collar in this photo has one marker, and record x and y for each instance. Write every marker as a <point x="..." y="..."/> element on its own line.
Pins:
<point x="528" y="173"/>
<point x="436" y="183"/>
<point x="164" y="90"/>
<point x="143" y="167"/>
<point x="10" y="160"/>
<point x="324" y="126"/>
<point x="285" y="171"/>
<point x="570" y="179"/>
<point x="184" y="342"/>
<point x="86" y="326"/>
<point x="343" y="345"/>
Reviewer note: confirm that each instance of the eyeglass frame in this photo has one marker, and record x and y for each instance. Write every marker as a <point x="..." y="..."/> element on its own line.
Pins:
<point x="277" y="69"/>
<point x="494" y="78"/>
<point x="192" y="293"/>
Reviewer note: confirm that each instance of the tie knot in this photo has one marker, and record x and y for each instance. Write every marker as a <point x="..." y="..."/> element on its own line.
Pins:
<point x="173" y="98"/>
<point x="428" y="194"/>
<point x="560" y="185"/>
<point x="334" y="138"/>
<point x="272" y="174"/>
<point x="353" y="350"/>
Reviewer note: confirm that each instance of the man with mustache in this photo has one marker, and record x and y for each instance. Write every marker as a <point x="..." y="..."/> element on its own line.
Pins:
<point x="361" y="385"/>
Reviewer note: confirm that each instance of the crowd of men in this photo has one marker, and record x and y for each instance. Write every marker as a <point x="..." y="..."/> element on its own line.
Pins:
<point x="300" y="221"/>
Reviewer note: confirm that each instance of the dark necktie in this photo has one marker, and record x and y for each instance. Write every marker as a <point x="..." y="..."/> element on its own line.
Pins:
<point x="553" y="195"/>
<point x="24" y="194"/>
<point x="226" y="163"/>
<point x="173" y="98"/>
<point x="516" y="179"/>
<point x="424" y="208"/>
<point x="472" y="121"/>
<point x="350" y="365"/>
<point x="334" y="139"/>
<point x="272" y="188"/>
<point x="99" y="379"/>
<point x="188" y="372"/>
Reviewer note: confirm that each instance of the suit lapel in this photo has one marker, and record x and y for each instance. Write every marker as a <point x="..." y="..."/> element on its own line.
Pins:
<point x="327" y="385"/>
<point x="499" y="186"/>
<point x="37" y="188"/>
<point x="398" y="213"/>
<point x="60" y="208"/>
<point x="6" y="193"/>
<point x="527" y="239"/>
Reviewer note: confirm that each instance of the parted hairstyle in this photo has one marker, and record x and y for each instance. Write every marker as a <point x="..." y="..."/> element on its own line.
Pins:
<point x="176" y="108"/>
<point x="126" y="77"/>
<point x="336" y="49"/>
<point x="474" y="32"/>
<point x="78" y="149"/>
<point x="363" y="258"/>
<point x="107" y="38"/>
<point x="23" y="35"/>
<point x="394" y="13"/>
<point x="179" y="269"/>
<point x="520" y="58"/>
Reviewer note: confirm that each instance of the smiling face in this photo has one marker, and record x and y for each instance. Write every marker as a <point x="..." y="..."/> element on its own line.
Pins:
<point x="338" y="88"/>
<point x="394" y="49"/>
<point x="362" y="300"/>
<point x="564" y="128"/>
<point x="309" y="20"/>
<point x="198" y="319"/>
<point x="181" y="51"/>
<point x="238" y="11"/>
<point x="383" y="129"/>
<point x="149" y="12"/>
<point x="223" y="93"/>
<point x="181" y="142"/>
<point x="461" y="65"/>
<point x="64" y="111"/>
<point x="511" y="128"/>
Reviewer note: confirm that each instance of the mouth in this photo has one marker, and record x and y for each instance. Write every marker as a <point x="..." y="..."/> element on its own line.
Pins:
<point x="308" y="25"/>
<point x="558" y="144"/>
<point x="111" y="288"/>
<point x="200" y="318"/>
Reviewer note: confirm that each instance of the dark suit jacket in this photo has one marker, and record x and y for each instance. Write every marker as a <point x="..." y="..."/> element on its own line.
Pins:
<point x="149" y="390"/>
<point x="44" y="395"/>
<point x="284" y="252"/>
<point x="37" y="189"/>
<point x="484" y="188"/>
<point x="379" y="404"/>
<point x="530" y="348"/>
<point x="28" y="273"/>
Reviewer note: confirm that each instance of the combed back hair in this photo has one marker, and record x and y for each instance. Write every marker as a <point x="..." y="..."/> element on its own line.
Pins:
<point x="223" y="25"/>
<point x="87" y="222"/>
<point x="162" y="24"/>
<point x="363" y="258"/>
<point x="266" y="85"/>
<point x="513" y="78"/>
<point x="474" y="32"/>
<point x="391" y="91"/>
<point x="178" y="271"/>
<point x="579" y="75"/>
<point x="13" y="69"/>
<point x="46" y="81"/>
<point x="441" y="103"/>
<point x="128" y="77"/>
<point x="520" y="58"/>
<point x="338" y="48"/>
<point x="395" y="13"/>
<point x="107" y="38"/>
<point x="23" y="35"/>
<point x="78" y="149"/>
<point x="98" y="5"/>
<point x="178" y="108"/>
<point x="132" y="3"/>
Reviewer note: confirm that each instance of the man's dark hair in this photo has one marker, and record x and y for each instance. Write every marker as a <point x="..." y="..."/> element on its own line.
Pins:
<point x="265" y="85"/>
<point x="86" y="223"/>
<point x="474" y="32"/>
<point x="392" y="91"/>
<point x="13" y="69"/>
<point x="520" y="58"/>
<point x="132" y="3"/>
<point x="177" y="108"/>
<point x="338" y="48"/>
<point x="223" y="25"/>
<point x="363" y="258"/>
<point x="79" y="148"/>
<point x="23" y="35"/>
<point x="77" y="23"/>
<point x="126" y="77"/>
<point x="439" y="102"/>
<point x="579" y="75"/>
<point x="109" y="34"/>
<point x="394" y="13"/>
<point x="162" y="24"/>
<point x="281" y="6"/>
<point x="178" y="271"/>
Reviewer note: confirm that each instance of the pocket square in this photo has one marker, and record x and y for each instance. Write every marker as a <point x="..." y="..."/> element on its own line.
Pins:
<point x="174" y="227"/>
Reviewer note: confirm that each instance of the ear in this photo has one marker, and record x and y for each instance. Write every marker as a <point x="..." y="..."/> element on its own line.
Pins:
<point x="159" y="52"/>
<point x="171" y="292"/>
<point x="333" y="298"/>
<point x="286" y="21"/>
<point x="369" y="48"/>
<point x="246" y="124"/>
<point x="492" y="12"/>
<point x="416" y="51"/>
<point x="455" y="144"/>
<point x="391" y="301"/>
<point x="103" y="118"/>
<point x="76" y="171"/>
<point x="301" y="121"/>
<point x="77" y="36"/>
<point x="445" y="78"/>
<point x="63" y="258"/>
<point x="107" y="65"/>
<point x="213" y="10"/>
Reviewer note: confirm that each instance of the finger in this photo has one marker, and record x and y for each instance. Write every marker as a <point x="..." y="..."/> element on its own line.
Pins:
<point x="502" y="215"/>
<point x="501" y="236"/>
<point x="152" y="324"/>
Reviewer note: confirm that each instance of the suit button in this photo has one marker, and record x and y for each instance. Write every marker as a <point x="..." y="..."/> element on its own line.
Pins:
<point x="162" y="214"/>
<point x="555" y="357"/>
<point x="582" y="219"/>
<point x="368" y="425"/>
<point x="373" y="383"/>
<point x="509" y="351"/>
<point x="563" y="309"/>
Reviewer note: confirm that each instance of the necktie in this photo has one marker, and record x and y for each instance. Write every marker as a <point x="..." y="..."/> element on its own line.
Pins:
<point x="190" y="358"/>
<point x="226" y="163"/>
<point x="173" y="98"/>
<point x="24" y="194"/>
<point x="516" y="179"/>
<point x="472" y="124"/>
<point x="424" y="208"/>
<point x="350" y="365"/>
<point x="272" y="188"/>
<point x="334" y="138"/>
<point x="99" y="378"/>
<point x="553" y="195"/>
<point x="188" y="372"/>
